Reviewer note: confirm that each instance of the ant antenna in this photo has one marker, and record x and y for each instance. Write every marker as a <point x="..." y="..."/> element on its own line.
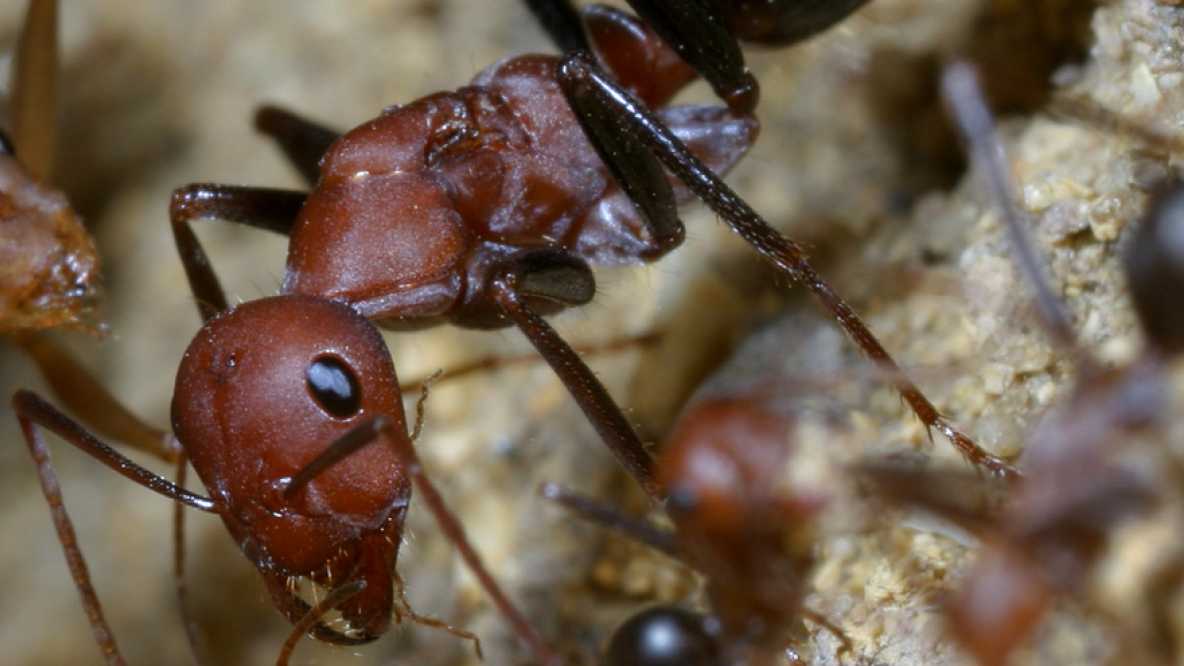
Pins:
<point x="961" y="90"/>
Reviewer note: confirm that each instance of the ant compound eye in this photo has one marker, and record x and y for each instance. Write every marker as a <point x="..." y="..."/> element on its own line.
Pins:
<point x="664" y="636"/>
<point x="334" y="386"/>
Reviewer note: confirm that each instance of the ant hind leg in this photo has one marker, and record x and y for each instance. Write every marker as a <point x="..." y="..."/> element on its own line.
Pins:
<point x="302" y="141"/>
<point x="594" y="95"/>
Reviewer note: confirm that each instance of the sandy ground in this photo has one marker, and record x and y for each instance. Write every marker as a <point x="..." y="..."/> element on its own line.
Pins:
<point x="852" y="160"/>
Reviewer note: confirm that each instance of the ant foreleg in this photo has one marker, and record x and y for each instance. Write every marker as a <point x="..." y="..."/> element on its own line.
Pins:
<point x="608" y="517"/>
<point x="269" y="209"/>
<point x="179" y="584"/>
<point x="496" y="363"/>
<point x="31" y="412"/>
<point x="34" y="89"/>
<point x="84" y="396"/>
<point x="302" y="141"/>
<point x="592" y="93"/>
<point x="510" y="287"/>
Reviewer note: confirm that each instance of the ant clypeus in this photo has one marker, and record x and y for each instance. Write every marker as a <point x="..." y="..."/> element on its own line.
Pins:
<point x="1086" y="465"/>
<point x="705" y="33"/>
<point x="486" y="206"/>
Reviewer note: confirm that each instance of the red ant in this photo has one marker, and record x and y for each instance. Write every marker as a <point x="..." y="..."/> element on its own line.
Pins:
<point x="1079" y="483"/>
<point x="519" y="206"/>
<point x="520" y="270"/>
<point x="705" y="33"/>
<point x="278" y="432"/>
<point x="722" y="469"/>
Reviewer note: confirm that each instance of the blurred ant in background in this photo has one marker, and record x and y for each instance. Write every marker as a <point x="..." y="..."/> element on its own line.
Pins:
<point x="1083" y="475"/>
<point x="723" y="469"/>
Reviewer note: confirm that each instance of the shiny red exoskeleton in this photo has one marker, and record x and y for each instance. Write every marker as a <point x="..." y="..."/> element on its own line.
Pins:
<point x="414" y="210"/>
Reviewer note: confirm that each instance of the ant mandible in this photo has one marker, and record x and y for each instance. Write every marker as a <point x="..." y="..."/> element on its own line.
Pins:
<point x="705" y="33"/>
<point x="1079" y="481"/>
<point x="486" y="206"/>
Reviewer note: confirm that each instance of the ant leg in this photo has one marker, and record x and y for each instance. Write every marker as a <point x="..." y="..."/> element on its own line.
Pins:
<point x="845" y="646"/>
<point x="434" y="623"/>
<point x="312" y="618"/>
<point x="510" y="286"/>
<point x="301" y="140"/>
<point x="593" y="94"/>
<point x="179" y="585"/>
<point x="367" y="433"/>
<point x="964" y="97"/>
<point x="35" y="81"/>
<point x="562" y="23"/>
<point x="495" y="363"/>
<point x="83" y="395"/>
<point x="697" y="32"/>
<point x="31" y="412"/>
<point x="610" y="518"/>
<point x="269" y="209"/>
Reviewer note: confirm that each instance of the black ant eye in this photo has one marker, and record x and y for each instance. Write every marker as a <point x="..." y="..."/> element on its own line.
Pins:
<point x="334" y="387"/>
<point x="664" y="636"/>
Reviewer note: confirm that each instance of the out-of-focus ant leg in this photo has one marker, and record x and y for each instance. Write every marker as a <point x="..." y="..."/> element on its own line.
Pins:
<point x="562" y="23"/>
<point x="495" y="363"/>
<point x="179" y="585"/>
<point x="88" y="400"/>
<point x="31" y="412"/>
<point x="369" y="432"/>
<point x="301" y="140"/>
<point x="600" y="104"/>
<point x="610" y="518"/>
<point x="565" y="278"/>
<point x="35" y="84"/>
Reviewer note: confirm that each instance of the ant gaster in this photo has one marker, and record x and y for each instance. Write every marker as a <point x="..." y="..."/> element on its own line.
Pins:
<point x="1078" y="484"/>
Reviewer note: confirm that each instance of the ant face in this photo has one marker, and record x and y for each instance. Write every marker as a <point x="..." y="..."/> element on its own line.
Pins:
<point x="261" y="391"/>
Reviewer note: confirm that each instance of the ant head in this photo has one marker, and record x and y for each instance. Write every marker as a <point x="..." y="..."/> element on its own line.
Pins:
<point x="724" y="456"/>
<point x="262" y="390"/>
<point x="665" y="635"/>
<point x="1155" y="269"/>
